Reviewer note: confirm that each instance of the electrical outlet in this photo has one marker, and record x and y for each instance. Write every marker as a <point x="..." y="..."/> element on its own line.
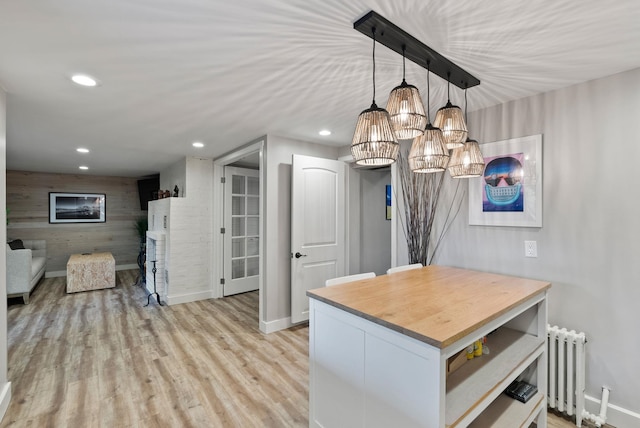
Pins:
<point x="530" y="249"/>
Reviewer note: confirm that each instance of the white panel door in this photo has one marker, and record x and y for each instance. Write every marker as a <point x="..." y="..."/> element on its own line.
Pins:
<point x="242" y="230"/>
<point x="317" y="227"/>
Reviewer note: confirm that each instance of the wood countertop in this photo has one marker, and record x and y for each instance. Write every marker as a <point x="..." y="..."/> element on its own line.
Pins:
<point x="436" y="304"/>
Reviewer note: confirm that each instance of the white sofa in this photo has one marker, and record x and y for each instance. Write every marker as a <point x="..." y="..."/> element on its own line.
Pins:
<point x="25" y="268"/>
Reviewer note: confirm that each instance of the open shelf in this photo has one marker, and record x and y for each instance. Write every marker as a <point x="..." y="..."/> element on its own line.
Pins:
<point x="478" y="382"/>
<point x="505" y="412"/>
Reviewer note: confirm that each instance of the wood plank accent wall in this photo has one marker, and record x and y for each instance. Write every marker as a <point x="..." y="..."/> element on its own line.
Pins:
<point x="28" y="204"/>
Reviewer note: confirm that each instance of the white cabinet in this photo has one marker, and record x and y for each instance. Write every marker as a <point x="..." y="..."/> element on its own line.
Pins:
<point x="379" y="363"/>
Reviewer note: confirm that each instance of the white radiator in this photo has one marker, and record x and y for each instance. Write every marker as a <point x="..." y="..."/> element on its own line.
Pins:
<point x="566" y="371"/>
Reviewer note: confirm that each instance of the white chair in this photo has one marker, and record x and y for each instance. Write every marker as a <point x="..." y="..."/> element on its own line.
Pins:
<point x="349" y="278"/>
<point x="404" y="267"/>
<point x="25" y="266"/>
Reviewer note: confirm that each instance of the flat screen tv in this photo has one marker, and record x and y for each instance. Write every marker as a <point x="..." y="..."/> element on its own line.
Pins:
<point x="146" y="188"/>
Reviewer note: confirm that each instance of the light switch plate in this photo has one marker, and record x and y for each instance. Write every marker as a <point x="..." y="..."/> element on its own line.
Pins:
<point x="530" y="249"/>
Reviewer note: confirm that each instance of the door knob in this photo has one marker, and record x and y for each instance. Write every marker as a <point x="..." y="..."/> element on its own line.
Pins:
<point x="298" y="255"/>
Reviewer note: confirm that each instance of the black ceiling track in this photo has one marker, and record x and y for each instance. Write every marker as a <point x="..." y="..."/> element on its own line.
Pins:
<point x="394" y="37"/>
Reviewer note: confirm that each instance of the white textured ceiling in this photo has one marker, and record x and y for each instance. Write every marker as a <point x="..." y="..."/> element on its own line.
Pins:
<point x="226" y="72"/>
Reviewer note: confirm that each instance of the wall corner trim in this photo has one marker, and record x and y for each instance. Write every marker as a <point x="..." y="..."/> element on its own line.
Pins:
<point x="5" y="399"/>
<point x="275" y="325"/>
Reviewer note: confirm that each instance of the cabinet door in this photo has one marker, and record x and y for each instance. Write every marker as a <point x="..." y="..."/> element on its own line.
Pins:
<point x="337" y="373"/>
<point x="403" y="389"/>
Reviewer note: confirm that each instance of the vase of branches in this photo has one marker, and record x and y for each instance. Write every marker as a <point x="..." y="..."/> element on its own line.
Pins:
<point x="423" y="202"/>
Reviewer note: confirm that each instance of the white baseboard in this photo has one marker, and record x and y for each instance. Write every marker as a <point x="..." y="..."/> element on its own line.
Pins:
<point x="127" y="267"/>
<point x="5" y="399"/>
<point x="59" y="273"/>
<point x="616" y="416"/>
<point x="176" y="299"/>
<point x="276" y="325"/>
<point x="55" y="273"/>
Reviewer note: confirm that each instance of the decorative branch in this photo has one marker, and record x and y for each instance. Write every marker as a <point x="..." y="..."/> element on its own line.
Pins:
<point x="421" y="194"/>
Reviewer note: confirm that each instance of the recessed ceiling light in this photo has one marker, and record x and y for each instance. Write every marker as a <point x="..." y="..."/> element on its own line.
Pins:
<point x="82" y="150"/>
<point x="324" y="132"/>
<point x="198" y="144"/>
<point x="84" y="80"/>
<point x="83" y="167"/>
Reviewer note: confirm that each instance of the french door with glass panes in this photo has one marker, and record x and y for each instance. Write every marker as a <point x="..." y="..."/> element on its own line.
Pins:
<point x="242" y="233"/>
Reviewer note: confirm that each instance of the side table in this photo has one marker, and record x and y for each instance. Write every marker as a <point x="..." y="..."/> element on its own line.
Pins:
<point x="90" y="271"/>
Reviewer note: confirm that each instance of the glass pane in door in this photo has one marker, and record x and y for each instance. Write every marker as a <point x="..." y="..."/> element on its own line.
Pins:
<point x="237" y="226"/>
<point x="237" y="249"/>
<point x="237" y="185"/>
<point x="237" y="205"/>
<point x="237" y="269"/>
<point x="253" y="186"/>
<point x="253" y="205"/>
<point x="253" y="226"/>
<point x="252" y="246"/>
<point x="252" y="266"/>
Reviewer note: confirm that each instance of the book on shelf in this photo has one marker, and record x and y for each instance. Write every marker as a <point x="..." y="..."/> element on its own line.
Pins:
<point x="521" y="391"/>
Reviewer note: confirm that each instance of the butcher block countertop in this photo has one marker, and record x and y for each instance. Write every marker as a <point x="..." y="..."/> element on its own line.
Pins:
<point x="436" y="304"/>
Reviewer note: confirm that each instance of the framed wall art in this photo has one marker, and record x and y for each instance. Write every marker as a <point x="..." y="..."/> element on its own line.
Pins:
<point x="510" y="191"/>
<point x="77" y="207"/>
<point x="388" y="201"/>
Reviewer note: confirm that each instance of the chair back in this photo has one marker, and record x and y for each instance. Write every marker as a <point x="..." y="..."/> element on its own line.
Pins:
<point x="348" y="278"/>
<point x="404" y="267"/>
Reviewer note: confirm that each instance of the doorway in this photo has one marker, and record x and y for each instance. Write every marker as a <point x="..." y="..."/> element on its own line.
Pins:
<point x="249" y="157"/>
<point x="241" y="245"/>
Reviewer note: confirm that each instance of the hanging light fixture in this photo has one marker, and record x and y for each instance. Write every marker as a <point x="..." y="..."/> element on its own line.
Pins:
<point x="428" y="152"/>
<point x="449" y="118"/>
<point x="466" y="161"/>
<point x="374" y="141"/>
<point x="406" y="109"/>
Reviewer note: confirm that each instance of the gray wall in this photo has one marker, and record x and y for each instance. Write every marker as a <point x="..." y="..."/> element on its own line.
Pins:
<point x="175" y="175"/>
<point x="369" y="231"/>
<point x="277" y="275"/>
<point x="28" y="202"/>
<point x="375" y="236"/>
<point x="588" y="246"/>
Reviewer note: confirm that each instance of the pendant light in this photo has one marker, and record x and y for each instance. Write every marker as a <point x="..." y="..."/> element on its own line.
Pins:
<point x="374" y="141"/>
<point x="466" y="161"/>
<point x="406" y="109"/>
<point x="449" y="118"/>
<point x="428" y="152"/>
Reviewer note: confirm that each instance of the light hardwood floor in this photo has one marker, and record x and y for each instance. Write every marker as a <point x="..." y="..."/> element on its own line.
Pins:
<point x="101" y="359"/>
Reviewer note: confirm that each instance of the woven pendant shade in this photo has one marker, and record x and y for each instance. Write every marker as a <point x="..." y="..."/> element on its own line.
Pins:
<point x="467" y="161"/>
<point x="374" y="141"/>
<point x="451" y="121"/>
<point x="428" y="152"/>
<point x="406" y="111"/>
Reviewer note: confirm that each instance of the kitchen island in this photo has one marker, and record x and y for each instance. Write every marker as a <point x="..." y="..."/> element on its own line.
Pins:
<point x="379" y="350"/>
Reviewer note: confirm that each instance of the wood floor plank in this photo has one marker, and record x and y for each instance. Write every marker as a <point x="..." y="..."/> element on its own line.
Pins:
<point x="102" y="359"/>
<point x="82" y="402"/>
